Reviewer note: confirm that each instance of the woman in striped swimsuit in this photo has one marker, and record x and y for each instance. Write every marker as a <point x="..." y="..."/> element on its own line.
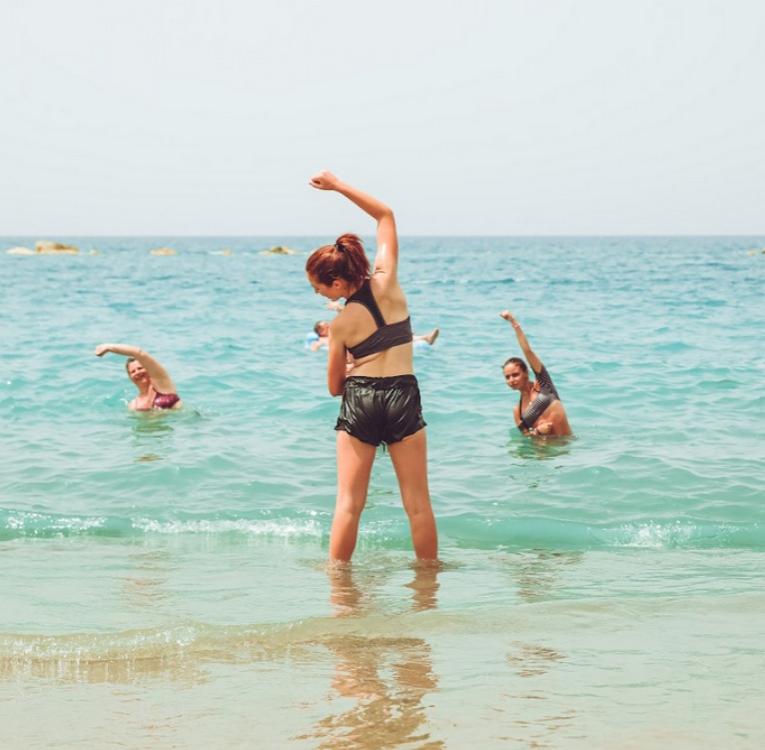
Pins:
<point x="539" y="410"/>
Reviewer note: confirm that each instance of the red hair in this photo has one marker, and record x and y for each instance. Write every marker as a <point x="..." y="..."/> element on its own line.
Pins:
<point x="344" y="260"/>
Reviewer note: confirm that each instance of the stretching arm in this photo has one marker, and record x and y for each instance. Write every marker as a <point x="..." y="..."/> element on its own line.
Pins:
<point x="534" y="361"/>
<point x="386" y="258"/>
<point x="160" y="377"/>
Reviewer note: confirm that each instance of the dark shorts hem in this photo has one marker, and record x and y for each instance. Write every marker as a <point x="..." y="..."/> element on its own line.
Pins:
<point x="342" y="426"/>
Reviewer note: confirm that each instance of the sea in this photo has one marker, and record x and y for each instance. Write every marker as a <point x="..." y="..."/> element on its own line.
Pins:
<point x="165" y="580"/>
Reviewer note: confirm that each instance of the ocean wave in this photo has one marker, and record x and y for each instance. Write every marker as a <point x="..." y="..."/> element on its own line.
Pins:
<point x="466" y="530"/>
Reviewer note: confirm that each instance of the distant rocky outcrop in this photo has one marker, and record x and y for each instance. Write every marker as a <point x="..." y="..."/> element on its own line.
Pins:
<point x="45" y="247"/>
<point x="163" y="251"/>
<point x="20" y="251"/>
<point x="279" y="250"/>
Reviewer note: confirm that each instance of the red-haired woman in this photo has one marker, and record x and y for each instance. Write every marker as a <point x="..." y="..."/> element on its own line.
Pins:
<point x="381" y="398"/>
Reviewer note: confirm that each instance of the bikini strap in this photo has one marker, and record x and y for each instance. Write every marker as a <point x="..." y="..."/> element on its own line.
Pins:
<point x="365" y="297"/>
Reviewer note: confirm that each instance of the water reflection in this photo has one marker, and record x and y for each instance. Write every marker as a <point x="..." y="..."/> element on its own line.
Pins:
<point x="539" y="447"/>
<point x="539" y="573"/>
<point x="387" y="678"/>
<point x="145" y="585"/>
<point x="152" y="434"/>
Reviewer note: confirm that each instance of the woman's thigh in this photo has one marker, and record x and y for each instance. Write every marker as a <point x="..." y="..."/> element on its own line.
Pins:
<point x="354" y="466"/>
<point x="410" y="460"/>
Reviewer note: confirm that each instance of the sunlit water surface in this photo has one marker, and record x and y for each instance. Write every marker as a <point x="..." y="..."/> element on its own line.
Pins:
<point x="165" y="581"/>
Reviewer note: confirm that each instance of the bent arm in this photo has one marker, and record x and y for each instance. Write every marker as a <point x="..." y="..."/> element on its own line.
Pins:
<point x="386" y="257"/>
<point x="160" y="378"/>
<point x="553" y="422"/>
<point x="336" y="360"/>
<point x="531" y="357"/>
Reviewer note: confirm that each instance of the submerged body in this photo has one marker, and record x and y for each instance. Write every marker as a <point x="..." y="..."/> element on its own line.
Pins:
<point x="539" y="410"/>
<point x="156" y="389"/>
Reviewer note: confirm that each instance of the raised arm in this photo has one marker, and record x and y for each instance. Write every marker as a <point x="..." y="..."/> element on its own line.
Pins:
<point x="531" y="357"/>
<point x="160" y="378"/>
<point x="386" y="257"/>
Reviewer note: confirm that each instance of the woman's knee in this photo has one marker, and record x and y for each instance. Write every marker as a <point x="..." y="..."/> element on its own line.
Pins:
<point x="350" y="504"/>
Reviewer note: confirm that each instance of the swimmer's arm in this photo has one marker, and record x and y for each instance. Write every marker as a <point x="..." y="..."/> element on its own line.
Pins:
<point x="534" y="362"/>
<point x="386" y="258"/>
<point x="553" y="422"/>
<point x="559" y="419"/>
<point x="160" y="377"/>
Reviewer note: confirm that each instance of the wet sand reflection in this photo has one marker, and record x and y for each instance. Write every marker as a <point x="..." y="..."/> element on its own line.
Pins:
<point x="387" y="678"/>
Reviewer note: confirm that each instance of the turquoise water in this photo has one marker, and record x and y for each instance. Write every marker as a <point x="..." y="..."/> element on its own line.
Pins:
<point x="169" y="568"/>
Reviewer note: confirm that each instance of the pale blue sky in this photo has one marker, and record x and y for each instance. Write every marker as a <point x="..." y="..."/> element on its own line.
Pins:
<point x="495" y="117"/>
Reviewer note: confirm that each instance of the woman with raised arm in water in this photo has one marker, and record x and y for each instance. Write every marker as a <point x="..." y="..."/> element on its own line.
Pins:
<point x="370" y="365"/>
<point x="539" y="410"/>
<point x="156" y="389"/>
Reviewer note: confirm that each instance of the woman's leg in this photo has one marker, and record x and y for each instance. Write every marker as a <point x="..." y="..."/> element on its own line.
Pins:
<point x="354" y="465"/>
<point x="410" y="460"/>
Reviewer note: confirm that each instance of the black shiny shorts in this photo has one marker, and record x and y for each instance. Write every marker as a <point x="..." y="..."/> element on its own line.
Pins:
<point x="381" y="410"/>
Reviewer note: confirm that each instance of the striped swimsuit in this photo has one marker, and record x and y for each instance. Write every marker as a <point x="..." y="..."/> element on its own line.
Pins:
<point x="547" y="394"/>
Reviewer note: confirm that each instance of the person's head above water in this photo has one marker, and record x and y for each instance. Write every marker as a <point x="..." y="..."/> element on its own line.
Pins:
<point x="516" y="373"/>
<point x="321" y="328"/>
<point x="137" y="372"/>
<point x="336" y="271"/>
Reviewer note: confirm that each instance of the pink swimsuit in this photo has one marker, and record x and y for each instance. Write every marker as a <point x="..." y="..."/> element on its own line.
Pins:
<point x="163" y="401"/>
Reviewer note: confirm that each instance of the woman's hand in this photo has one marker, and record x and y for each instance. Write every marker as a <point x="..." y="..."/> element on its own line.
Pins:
<point x="102" y="349"/>
<point x="543" y="428"/>
<point x="324" y="181"/>
<point x="508" y="316"/>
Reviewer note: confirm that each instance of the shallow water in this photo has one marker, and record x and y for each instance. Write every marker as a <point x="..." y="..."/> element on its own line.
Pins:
<point x="169" y="568"/>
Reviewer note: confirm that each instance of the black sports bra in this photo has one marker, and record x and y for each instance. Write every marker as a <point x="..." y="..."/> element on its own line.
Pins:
<point x="387" y="335"/>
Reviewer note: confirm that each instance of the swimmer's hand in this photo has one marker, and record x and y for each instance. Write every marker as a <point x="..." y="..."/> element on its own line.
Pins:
<point x="324" y="181"/>
<point x="543" y="428"/>
<point x="507" y="315"/>
<point x="102" y="349"/>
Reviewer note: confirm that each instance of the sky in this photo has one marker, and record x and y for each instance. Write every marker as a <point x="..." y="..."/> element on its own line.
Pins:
<point x="495" y="117"/>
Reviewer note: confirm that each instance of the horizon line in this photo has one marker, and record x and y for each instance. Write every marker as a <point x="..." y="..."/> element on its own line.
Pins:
<point x="561" y="235"/>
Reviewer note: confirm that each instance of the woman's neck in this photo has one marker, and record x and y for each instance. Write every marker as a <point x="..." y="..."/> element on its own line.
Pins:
<point x="144" y="389"/>
<point x="527" y="392"/>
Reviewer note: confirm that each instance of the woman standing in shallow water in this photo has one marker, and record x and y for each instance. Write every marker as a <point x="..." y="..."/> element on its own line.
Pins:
<point x="370" y="365"/>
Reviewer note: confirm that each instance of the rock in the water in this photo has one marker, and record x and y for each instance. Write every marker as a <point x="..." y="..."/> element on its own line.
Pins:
<point x="163" y="251"/>
<point x="55" y="248"/>
<point x="20" y="251"/>
<point x="278" y="250"/>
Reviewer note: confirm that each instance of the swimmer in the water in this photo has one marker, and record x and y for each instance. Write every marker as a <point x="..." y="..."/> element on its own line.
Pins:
<point x="322" y="327"/>
<point x="381" y="397"/>
<point x="539" y="410"/>
<point x="156" y="389"/>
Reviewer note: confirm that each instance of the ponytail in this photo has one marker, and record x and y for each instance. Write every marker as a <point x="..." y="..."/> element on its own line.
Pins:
<point x="345" y="260"/>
